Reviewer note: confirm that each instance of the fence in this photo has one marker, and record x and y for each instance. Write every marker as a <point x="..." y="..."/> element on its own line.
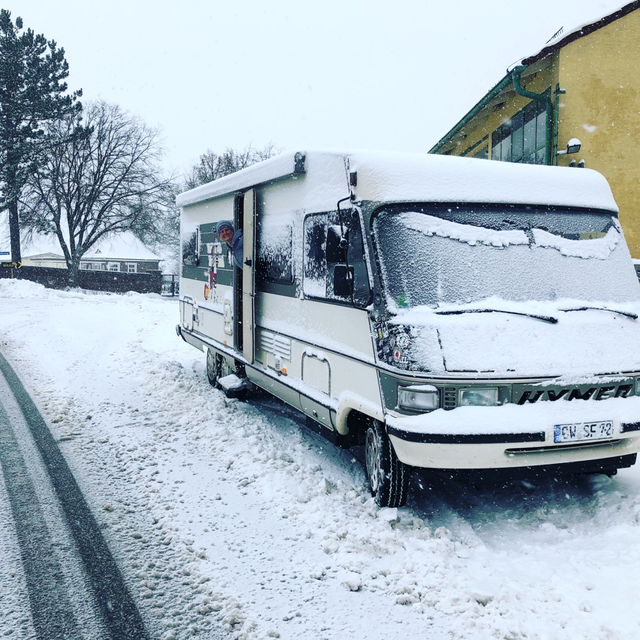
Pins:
<point x="170" y="285"/>
<point x="110" y="281"/>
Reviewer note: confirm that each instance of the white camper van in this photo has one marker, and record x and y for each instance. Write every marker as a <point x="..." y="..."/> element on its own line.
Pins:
<point x="445" y="313"/>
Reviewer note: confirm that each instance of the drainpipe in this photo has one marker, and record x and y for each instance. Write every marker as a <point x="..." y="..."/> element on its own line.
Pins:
<point x="521" y="91"/>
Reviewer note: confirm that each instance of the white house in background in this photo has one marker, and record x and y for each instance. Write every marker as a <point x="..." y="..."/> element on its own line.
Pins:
<point x="122" y="253"/>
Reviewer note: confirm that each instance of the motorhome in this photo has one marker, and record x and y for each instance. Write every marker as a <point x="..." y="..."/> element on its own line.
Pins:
<point x="446" y="313"/>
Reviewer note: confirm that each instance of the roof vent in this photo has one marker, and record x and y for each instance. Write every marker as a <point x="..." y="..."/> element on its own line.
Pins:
<point x="299" y="160"/>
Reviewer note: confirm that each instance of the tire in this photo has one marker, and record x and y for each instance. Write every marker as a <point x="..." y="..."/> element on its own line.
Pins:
<point x="214" y="367"/>
<point x="218" y="367"/>
<point x="388" y="477"/>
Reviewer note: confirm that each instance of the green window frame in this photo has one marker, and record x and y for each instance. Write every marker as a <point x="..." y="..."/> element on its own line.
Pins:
<point x="523" y="137"/>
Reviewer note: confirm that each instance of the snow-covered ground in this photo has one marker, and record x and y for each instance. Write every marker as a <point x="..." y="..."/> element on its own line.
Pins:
<point x="231" y="515"/>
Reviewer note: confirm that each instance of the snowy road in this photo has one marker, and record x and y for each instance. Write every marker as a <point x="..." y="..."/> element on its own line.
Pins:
<point x="75" y="591"/>
<point x="229" y="517"/>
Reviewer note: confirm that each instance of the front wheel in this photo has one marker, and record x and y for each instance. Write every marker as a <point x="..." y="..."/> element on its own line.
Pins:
<point x="388" y="477"/>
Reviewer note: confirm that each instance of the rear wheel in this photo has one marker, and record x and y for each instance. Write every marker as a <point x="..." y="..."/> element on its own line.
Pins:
<point x="218" y="367"/>
<point x="214" y="367"/>
<point x="388" y="477"/>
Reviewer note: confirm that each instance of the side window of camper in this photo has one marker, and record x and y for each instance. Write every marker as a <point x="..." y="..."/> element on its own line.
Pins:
<point x="275" y="272"/>
<point x="191" y="248"/>
<point x="334" y="259"/>
<point x="315" y="259"/>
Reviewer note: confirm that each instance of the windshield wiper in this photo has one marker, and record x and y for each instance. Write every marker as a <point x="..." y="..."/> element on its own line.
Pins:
<point x="456" y="312"/>
<point x="627" y="314"/>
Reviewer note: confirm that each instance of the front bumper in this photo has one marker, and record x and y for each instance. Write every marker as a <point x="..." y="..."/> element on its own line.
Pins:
<point x="513" y="436"/>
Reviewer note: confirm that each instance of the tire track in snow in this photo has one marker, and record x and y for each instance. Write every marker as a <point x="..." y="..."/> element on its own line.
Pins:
<point x="51" y="611"/>
<point x="50" y="607"/>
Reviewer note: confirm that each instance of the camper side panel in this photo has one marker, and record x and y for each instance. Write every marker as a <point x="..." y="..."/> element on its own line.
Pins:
<point x="206" y="282"/>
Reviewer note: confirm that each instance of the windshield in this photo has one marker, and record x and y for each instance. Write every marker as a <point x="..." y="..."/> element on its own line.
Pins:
<point x="434" y="254"/>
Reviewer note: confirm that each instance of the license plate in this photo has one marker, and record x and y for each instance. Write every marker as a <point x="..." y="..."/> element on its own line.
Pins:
<point x="581" y="431"/>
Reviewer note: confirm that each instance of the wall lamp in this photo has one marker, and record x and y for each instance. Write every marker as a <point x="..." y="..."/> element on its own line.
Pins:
<point x="573" y="146"/>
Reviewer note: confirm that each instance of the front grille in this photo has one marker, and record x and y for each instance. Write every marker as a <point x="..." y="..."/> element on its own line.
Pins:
<point x="530" y="394"/>
<point x="449" y="398"/>
<point x="598" y="444"/>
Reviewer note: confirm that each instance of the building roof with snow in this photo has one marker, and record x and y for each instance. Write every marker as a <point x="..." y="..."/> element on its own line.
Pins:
<point x="124" y="246"/>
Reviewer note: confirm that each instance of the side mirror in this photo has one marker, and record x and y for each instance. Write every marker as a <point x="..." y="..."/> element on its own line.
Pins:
<point x="335" y="244"/>
<point x="342" y="281"/>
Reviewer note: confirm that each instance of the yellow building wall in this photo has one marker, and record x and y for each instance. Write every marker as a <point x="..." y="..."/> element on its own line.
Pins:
<point x="601" y="73"/>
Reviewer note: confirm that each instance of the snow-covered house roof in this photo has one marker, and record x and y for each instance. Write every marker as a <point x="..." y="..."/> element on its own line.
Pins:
<point x="41" y="246"/>
<point x="124" y="246"/>
<point x="559" y="41"/>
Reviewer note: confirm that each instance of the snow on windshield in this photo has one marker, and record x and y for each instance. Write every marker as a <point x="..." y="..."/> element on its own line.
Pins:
<point x="432" y="226"/>
<point x="598" y="247"/>
<point x="450" y="255"/>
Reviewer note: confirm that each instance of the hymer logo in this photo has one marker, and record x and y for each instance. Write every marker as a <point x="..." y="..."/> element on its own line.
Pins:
<point x="577" y="393"/>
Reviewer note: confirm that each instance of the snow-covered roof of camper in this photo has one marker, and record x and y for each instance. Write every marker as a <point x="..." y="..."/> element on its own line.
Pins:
<point x="275" y="168"/>
<point x="404" y="177"/>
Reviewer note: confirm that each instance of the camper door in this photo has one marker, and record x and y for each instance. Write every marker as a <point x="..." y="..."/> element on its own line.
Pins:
<point x="248" y="275"/>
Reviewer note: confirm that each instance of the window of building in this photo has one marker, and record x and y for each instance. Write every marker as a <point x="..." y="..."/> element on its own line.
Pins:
<point x="131" y="267"/>
<point x="522" y="138"/>
<point x="477" y="150"/>
<point x="113" y="266"/>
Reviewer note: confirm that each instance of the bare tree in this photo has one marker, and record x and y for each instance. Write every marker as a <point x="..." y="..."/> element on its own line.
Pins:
<point x="213" y="166"/>
<point x="104" y="182"/>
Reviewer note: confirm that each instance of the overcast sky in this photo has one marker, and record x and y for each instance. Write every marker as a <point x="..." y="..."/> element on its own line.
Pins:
<point x="363" y="74"/>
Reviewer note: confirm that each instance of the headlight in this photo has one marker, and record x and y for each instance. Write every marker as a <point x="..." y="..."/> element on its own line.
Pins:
<point x="422" y="397"/>
<point x="486" y="397"/>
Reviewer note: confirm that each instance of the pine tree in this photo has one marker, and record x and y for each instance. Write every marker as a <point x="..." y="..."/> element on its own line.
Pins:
<point x="32" y="94"/>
